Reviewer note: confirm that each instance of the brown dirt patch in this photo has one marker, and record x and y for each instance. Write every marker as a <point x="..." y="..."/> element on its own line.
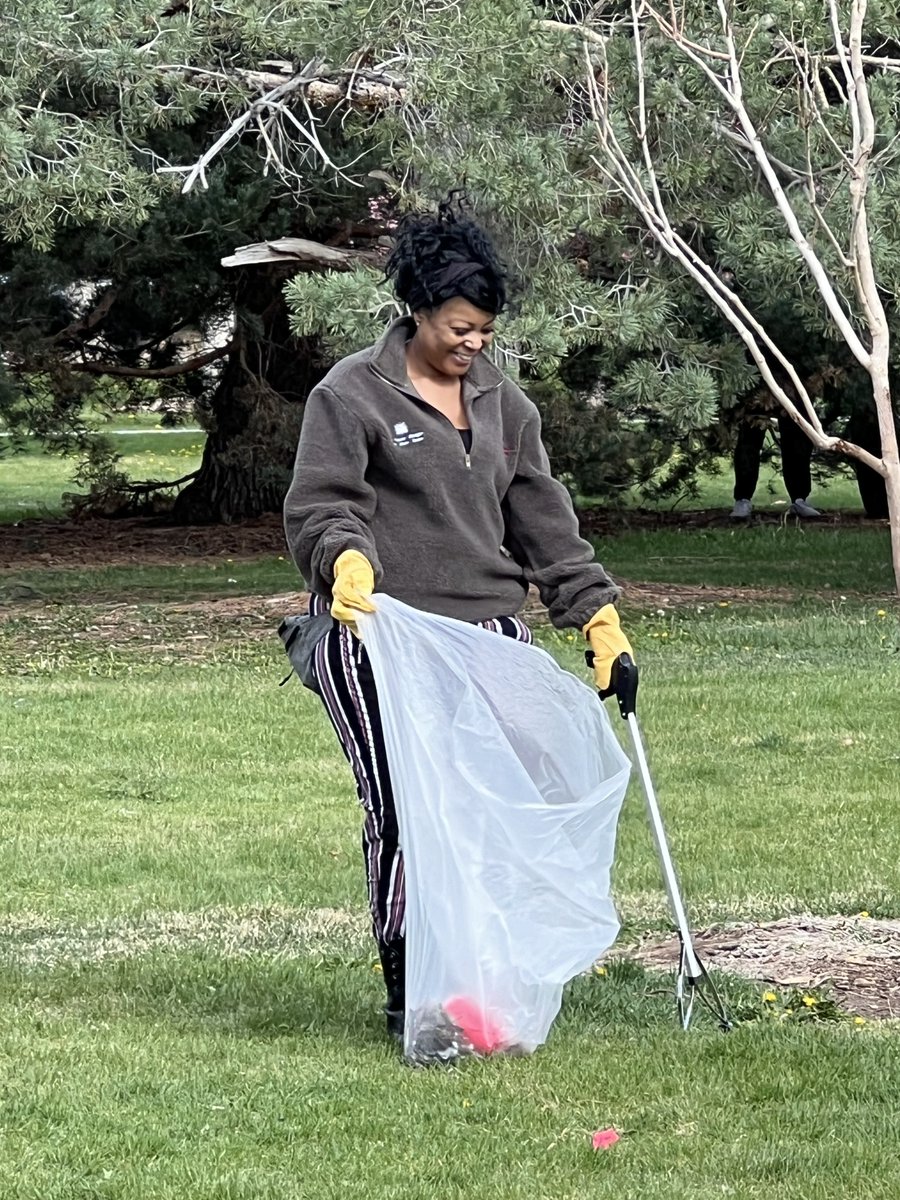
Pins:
<point x="676" y="595"/>
<point x="105" y="543"/>
<point x="600" y="521"/>
<point x="102" y="542"/>
<point x="260" y="614"/>
<point x="45" y="545"/>
<point x="856" y="959"/>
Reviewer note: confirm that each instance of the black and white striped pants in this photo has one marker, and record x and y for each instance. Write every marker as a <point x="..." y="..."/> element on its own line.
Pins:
<point x="345" y="678"/>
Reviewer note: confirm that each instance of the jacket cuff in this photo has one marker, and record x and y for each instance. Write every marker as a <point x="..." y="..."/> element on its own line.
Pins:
<point x="587" y="606"/>
<point x="334" y="549"/>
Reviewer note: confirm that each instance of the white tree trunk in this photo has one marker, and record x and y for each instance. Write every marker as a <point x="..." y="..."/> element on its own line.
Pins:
<point x="891" y="467"/>
<point x="892" y="480"/>
<point x="642" y="190"/>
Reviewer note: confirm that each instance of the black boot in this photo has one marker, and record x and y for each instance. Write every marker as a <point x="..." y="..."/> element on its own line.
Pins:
<point x="393" y="964"/>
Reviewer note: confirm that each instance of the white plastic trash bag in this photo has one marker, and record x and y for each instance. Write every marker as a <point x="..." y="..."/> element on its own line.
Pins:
<point x="508" y="781"/>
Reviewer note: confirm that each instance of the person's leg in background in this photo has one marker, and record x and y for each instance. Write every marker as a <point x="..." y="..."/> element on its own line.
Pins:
<point x="747" y="455"/>
<point x="796" y="456"/>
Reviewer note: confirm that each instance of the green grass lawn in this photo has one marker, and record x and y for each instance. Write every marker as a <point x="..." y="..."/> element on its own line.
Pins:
<point x="136" y="582"/>
<point x="188" y="1005"/>
<point x="800" y="559"/>
<point x="793" y="556"/>
<point x="830" y="492"/>
<point x="32" y="483"/>
<point x="188" y="1001"/>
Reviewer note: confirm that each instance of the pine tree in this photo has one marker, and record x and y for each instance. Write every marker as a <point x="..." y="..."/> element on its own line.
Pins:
<point x="139" y="145"/>
<point x="109" y="270"/>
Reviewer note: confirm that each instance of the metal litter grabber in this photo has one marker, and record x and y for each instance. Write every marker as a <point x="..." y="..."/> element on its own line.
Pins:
<point x="692" y="981"/>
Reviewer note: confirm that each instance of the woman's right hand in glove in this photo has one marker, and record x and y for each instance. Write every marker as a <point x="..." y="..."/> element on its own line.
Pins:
<point x="607" y="641"/>
<point x="354" y="583"/>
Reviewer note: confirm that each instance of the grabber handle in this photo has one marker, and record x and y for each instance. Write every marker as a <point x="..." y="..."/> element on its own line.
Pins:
<point x="623" y="684"/>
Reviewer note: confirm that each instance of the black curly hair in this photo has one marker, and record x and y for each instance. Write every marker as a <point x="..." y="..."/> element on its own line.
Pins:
<point x="437" y="256"/>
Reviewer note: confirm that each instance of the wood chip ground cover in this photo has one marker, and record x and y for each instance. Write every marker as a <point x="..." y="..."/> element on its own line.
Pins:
<point x="856" y="959"/>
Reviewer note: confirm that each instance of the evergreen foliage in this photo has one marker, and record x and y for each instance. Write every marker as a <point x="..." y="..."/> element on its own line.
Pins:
<point x="98" y="106"/>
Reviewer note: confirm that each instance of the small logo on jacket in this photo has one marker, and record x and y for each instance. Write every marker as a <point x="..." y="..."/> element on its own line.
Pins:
<point x="403" y="437"/>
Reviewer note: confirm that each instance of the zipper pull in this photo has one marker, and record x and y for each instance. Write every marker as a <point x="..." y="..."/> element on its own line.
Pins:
<point x="468" y="461"/>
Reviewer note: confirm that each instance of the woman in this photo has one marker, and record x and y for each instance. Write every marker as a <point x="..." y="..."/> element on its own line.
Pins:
<point x="421" y="473"/>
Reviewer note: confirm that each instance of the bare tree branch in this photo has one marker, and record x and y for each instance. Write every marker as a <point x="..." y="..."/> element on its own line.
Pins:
<point x="182" y="368"/>
<point x="863" y="120"/>
<point x="300" y="253"/>
<point x="856" y="165"/>
<point x="358" y="89"/>
<point x="863" y="125"/>
<point x="654" y="214"/>
<point x="676" y="34"/>
<point x="582" y="31"/>
<point x="89" y="322"/>
<point x="732" y="94"/>
<point x="142" y="487"/>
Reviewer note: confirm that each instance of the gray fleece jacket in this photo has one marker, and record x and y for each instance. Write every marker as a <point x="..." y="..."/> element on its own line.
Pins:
<point x="448" y="531"/>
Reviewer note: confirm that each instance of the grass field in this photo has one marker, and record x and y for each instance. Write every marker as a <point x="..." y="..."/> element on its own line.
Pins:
<point x="832" y="489"/>
<point x="188" y="1005"/>
<point x="188" y="1001"/>
<point x="826" y="562"/>
<point x="32" y="484"/>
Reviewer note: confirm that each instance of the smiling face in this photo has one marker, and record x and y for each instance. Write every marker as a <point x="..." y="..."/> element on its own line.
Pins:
<point x="447" y="338"/>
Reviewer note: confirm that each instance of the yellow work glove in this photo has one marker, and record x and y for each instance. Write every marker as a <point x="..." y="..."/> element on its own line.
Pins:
<point x="607" y="642"/>
<point x="354" y="583"/>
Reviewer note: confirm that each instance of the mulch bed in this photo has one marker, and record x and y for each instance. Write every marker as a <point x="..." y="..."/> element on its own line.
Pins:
<point x="103" y="542"/>
<point x="855" y="959"/>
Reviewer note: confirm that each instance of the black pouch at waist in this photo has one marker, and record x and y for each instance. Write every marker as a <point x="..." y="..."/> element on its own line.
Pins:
<point x="301" y="635"/>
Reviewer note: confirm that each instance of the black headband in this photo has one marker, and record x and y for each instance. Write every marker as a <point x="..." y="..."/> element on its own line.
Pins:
<point x="456" y="273"/>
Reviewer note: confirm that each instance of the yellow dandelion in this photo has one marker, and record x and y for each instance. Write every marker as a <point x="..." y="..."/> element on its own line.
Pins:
<point x="881" y="613"/>
<point x="570" y="637"/>
<point x="724" y="604"/>
<point x="377" y="967"/>
<point x="599" y="970"/>
<point x="467" y="1103"/>
<point x="864" y="914"/>
<point x="859" y="1020"/>
<point x="770" y="997"/>
<point x="810" y="1001"/>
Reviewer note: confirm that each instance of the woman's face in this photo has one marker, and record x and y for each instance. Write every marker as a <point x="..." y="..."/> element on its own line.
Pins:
<point x="449" y="337"/>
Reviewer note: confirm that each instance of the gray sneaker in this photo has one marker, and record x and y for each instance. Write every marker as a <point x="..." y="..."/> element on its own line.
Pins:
<point x="742" y="510"/>
<point x="801" y="509"/>
<point x="434" y="1038"/>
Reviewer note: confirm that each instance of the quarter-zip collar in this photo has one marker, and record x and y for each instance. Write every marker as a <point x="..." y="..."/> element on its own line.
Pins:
<point x="389" y="361"/>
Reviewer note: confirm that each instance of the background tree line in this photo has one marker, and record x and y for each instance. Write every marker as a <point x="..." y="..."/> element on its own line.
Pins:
<point x="141" y="143"/>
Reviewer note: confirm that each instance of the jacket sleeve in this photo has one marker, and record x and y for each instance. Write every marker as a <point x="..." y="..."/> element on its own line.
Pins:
<point x="330" y="503"/>
<point x="542" y="535"/>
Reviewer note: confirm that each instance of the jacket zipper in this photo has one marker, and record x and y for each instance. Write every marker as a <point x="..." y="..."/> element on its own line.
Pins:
<point x="468" y="417"/>
<point x="418" y="400"/>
